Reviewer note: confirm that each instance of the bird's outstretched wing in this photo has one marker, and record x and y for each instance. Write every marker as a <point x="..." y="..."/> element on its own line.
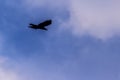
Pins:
<point x="45" y="23"/>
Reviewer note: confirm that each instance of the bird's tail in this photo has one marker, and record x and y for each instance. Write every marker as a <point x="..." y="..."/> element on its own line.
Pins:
<point x="45" y="29"/>
<point x="31" y="24"/>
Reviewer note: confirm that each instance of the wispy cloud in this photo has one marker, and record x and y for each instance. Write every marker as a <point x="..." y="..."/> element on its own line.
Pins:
<point x="5" y="72"/>
<point x="99" y="19"/>
<point x="62" y="56"/>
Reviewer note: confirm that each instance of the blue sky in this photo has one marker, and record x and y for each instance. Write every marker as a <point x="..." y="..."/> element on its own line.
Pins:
<point x="82" y="43"/>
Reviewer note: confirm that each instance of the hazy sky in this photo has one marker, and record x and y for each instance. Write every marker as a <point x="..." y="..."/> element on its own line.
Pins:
<point x="83" y="43"/>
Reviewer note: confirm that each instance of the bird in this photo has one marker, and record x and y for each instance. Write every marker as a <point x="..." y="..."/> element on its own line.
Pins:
<point x="41" y="25"/>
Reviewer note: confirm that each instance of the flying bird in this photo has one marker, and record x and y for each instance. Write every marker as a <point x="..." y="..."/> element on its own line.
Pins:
<point x="41" y="25"/>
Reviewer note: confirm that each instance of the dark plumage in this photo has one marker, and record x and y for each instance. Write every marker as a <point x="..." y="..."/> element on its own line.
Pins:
<point x="41" y="25"/>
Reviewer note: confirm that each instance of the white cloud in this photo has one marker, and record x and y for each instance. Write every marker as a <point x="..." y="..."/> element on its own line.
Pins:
<point x="6" y="73"/>
<point x="47" y="4"/>
<point x="100" y="19"/>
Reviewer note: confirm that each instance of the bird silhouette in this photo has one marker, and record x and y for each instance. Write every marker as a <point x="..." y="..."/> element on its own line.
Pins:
<point x="42" y="25"/>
